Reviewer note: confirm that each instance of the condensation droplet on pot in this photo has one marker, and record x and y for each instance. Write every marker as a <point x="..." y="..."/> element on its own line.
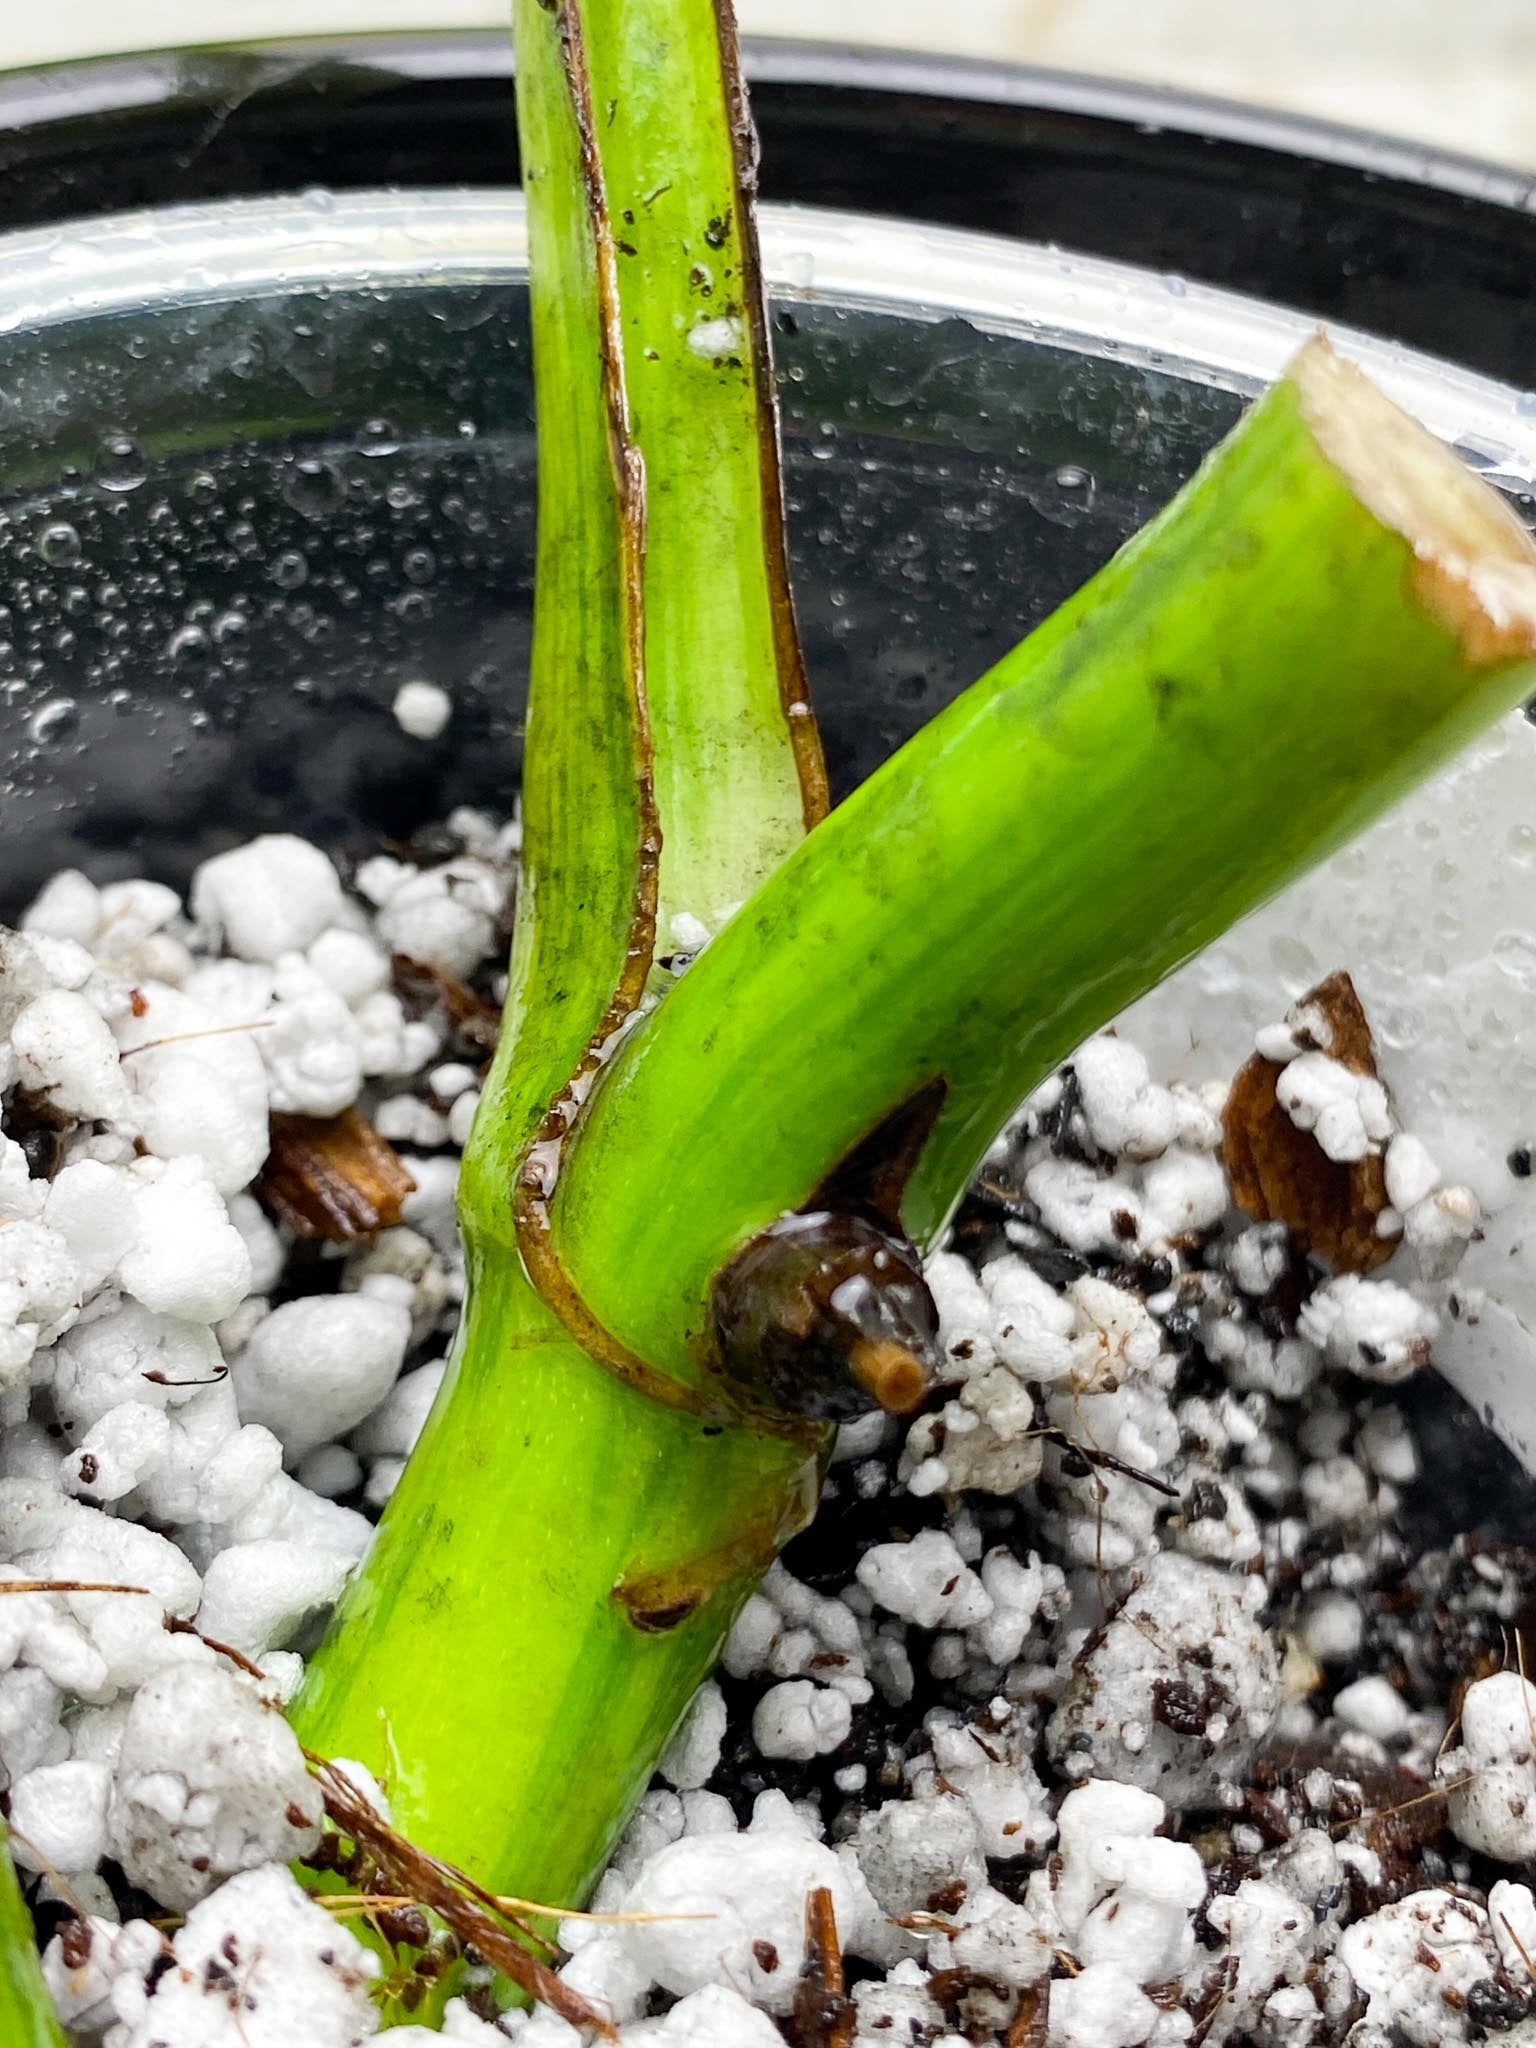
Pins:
<point x="122" y="464"/>
<point x="53" y="721"/>
<point x="312" y="487"/>
<point x="1292" y="957"/>
<point x="466" y="307"/>
<point x="1078" y="486"/>
<point x="187" y="643"/>
<point x="892" y="384"/>
<point x="290" y="571"/>
<point x="378" y="437"/>
<point x="1514" y="954"/>
<point x="1522" y="843"/>
<point x="59" y="544"/>
<point x="1400" y="1027"/>
<point x="419" y="565"/>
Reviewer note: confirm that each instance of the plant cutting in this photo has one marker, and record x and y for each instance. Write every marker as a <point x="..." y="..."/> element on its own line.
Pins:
<point x="1119" y="1515"/>
<point x="696" y="1202"/>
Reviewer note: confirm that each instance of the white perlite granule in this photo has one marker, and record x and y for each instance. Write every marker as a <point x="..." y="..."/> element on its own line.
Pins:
<point x="422" y="709"/>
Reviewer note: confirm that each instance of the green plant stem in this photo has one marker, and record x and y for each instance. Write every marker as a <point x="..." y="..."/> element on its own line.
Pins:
<point x="483" y="1668"/>
<point x="1259" y="673"/>
<point x="480" y="1664"/>
<point x="1320" y="618"/>
<point x="1256" y="675"/>
<point x="27" y="2016"/>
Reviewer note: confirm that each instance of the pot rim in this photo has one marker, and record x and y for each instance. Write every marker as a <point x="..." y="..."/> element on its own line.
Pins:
<point x="216" y="251"/>
<point x="135" y="79"/>
<point x="1145" y="106"/>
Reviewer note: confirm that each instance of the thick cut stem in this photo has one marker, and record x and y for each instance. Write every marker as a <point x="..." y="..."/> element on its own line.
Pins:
<point x="27" y="2017"/>
<point x="1327" y="611"/>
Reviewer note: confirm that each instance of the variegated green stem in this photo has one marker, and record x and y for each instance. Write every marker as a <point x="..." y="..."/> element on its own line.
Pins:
<point x="483" y="1664"/>
<point x="1322" y="616"/>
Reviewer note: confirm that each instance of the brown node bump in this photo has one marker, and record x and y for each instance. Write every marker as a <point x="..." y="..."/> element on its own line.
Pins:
<point x="828" y="1315"/>
<point x="826" y="1312"/>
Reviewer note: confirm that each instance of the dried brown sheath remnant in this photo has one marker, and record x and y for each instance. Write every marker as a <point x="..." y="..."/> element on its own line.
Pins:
<point x="630" y="488"/>
<point x="1279" y="1173"/>
<point x="332" y="1177"/>
<point x="535" y="1185"/>
<point x="794" y="691"/>
<point x="467" y="1911"/>
<point x="824" y="2013"/>
<point x="630" y="485"/>
<point x="664" y="1598"/>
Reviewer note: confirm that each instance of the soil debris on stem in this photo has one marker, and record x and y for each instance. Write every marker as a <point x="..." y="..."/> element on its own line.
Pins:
<point x="469" y="1913"/>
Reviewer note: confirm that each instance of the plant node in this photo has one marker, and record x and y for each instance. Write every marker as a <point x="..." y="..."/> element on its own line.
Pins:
<point x="828" y="1314"/>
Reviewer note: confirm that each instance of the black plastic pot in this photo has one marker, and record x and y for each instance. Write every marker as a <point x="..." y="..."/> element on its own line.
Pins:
<point x="262" y="463"/>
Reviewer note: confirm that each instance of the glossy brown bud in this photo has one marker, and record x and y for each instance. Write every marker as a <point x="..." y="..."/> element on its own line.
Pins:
<point x="827" y="1315"/>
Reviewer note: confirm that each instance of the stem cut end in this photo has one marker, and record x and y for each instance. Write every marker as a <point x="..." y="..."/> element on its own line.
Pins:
<point x="894" y="1378"/>
<point x="1474" y="563"/>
